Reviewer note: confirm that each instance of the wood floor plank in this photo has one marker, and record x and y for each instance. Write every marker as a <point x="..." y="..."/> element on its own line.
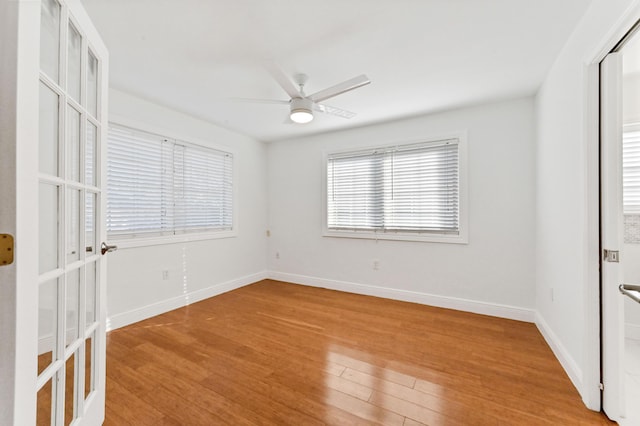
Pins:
<point x="409" y="422"/>
<point x="253" y="397"/>
<point x="131" y="409"/>
<point x="201" y="399"/>
<point x="372" y="372"/>
<point x="349" y="387"/>
<point x="298" y="395"/>
<point x="334" y="369"/>
<point x="180" y="408"/>
<point x="465" y="409"/>
<point x="273" y="353"/>
<point x="363" y="409"/>
<point x="411" y="410"/>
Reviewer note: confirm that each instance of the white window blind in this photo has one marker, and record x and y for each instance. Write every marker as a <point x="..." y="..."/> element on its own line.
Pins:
<point x="410" y="188"/>
<point x="157" y="186"/>
<point x="631" y="169"/>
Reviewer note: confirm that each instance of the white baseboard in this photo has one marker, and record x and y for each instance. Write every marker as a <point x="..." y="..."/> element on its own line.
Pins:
<point x="568" y="363"/>
<point x="484" y="308"/>
<point x="632" y="331"/>
<point x="139" y="314"/>
<point x="45" y="344"/>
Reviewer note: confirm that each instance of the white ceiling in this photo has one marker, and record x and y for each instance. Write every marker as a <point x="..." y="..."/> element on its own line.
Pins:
<point x="421" y="55"/>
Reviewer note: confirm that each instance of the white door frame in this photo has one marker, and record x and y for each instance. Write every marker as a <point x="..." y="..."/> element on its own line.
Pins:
<point x="19" y="71"/>
<point x="592" y="374"/>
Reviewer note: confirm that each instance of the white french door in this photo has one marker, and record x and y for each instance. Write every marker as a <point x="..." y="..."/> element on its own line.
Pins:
<point x="613" y="402"/>
<point x="72" y="123"/>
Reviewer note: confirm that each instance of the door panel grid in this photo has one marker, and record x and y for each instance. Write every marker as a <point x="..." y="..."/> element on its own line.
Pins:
<point x="69" y="226"/>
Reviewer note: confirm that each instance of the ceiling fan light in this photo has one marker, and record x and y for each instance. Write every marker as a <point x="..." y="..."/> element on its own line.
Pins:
<point x="301" y="116"/>
<point x="301" y="110"/>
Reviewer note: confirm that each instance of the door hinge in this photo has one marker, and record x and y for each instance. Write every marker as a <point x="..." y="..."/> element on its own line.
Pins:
<point x="6" y="249"/>
<point x="600" y="386"/>
<point x="611" y="256"/>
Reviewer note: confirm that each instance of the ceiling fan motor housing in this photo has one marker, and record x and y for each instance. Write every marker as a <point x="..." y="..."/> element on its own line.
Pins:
<point x="301" y="105"/>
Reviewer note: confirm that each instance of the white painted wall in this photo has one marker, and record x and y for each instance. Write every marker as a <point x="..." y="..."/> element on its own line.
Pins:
<point x="197" y="269"/>
<point x="495" y="268"/>
<point x="563" y="264"/>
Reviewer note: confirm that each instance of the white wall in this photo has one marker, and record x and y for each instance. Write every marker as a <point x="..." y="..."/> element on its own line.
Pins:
<point x="197" y="269"/>
<point x="563" y="197"/>
<point x="495" y="269"/>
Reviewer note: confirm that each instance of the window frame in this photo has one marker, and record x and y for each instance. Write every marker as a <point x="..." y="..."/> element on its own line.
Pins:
<point x="124" y="242"/>
<point x="433" y="237"/>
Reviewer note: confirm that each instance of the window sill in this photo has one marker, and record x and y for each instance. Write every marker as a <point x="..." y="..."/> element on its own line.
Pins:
<point x="134" y="242"/>
<point x="398" y="236"/>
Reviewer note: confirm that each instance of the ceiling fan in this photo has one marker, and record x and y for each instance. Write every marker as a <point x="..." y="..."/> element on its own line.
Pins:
<point x="302" y="105"/>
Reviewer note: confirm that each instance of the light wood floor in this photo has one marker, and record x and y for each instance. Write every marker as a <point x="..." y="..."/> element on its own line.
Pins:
<point x="282" y="354"/>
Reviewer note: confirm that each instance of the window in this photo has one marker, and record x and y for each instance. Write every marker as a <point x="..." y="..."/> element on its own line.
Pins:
<point x="158" y="186"/>
<point x="631" y="169"/>
<point x="397" y="192"/>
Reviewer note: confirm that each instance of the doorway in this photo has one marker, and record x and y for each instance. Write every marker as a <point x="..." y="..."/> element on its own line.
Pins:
<point x="631" y="224"/>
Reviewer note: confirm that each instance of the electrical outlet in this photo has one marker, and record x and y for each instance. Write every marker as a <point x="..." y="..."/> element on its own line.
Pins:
<point x="376" y="265"/>
<point x="165" y="275"/>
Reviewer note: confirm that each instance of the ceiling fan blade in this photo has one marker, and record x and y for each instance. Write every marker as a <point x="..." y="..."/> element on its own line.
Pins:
<point x="283" y="80"/>
<point x="260" y="101"/>
<point x="338" y="112"/>
<point x="340" y="88"/>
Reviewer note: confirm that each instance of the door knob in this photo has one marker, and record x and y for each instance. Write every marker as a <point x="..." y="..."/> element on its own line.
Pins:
<point x="630" y="290"/>
<point x="106" y="248"/>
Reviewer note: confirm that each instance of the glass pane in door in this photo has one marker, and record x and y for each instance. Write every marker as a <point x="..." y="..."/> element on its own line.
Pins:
<point x="73" y="144"/>
<point x="47" y="323"/>
<point x="50" y="38"/>
<point x="48" y="227"/>
<point x="72" y="306"/>
<point x="90" y="293"/>
<point x="48" y="127"/>
<point x="70" y="389"/>
<point x="91" y="245"/>
<point x="90" y="154"/>
<point x="73" y="225"/>
<point x="92" y="85"/>
<point x="88" y="369"/>
<point x="45" y="403"/>
<point x="73" y="60"/>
